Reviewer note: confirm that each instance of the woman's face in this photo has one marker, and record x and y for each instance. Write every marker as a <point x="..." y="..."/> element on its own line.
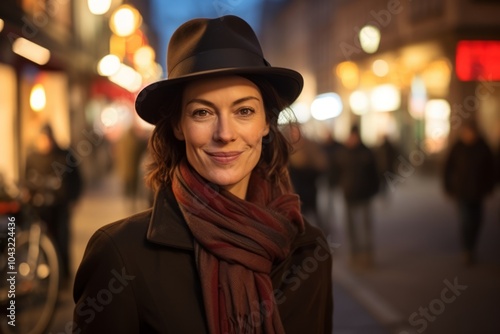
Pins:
<point x="223" y="122"/>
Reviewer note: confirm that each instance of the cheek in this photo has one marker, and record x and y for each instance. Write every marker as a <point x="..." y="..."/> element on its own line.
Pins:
<point x="256" y="139"/>
<point x="190" y="133"/>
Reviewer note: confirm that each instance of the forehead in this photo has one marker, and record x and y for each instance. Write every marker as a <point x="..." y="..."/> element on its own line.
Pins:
<point x="233" y="85"/>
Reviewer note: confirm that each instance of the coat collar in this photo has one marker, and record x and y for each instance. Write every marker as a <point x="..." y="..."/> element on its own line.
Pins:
<point x="167" y="225"/>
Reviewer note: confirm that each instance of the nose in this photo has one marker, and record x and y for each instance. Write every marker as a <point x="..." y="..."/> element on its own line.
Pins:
<point x="224" y="129"/>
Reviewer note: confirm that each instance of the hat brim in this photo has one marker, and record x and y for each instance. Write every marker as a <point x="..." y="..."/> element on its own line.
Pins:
<point x="148" y="104"/>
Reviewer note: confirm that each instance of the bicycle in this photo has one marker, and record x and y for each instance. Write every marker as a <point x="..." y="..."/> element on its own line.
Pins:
<point x="29" y="267"/>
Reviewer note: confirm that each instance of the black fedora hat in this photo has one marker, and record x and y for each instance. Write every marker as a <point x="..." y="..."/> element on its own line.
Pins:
<point x="208" y="47"/>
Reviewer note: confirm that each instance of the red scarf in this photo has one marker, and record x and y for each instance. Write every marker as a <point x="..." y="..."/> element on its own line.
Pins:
<point x="236" y="243"/>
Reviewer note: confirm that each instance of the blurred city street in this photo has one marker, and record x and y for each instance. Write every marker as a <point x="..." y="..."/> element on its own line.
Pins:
<point x="418" y="284"/>
<point x="416" y="83"/>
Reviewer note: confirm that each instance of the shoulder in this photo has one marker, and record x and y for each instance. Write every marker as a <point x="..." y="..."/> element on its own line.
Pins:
<point x="310" y="237"/>
<point x="111" y="246"/>
<point x="106" y="291"/>
<point x="117" y="239"/>
<point x="126" y="227"/>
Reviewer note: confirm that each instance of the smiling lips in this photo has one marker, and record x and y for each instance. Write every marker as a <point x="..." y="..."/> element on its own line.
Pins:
<point x="224" y="157"/>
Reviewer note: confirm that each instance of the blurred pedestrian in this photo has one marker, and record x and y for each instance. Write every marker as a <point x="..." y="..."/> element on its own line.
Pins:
<point x="333" y="151"/>
<point x="54" y="185"/>
<point x="129" y="154"/>
<point x="307" y="163"/>
<point x="225" y="246"/>
<point x="386" y="155"/>
<point x="469" y="178"/>
<point x="359" y="182"/>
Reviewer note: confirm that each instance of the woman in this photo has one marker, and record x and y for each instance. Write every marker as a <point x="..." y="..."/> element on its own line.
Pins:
<point x="224" y="248"/>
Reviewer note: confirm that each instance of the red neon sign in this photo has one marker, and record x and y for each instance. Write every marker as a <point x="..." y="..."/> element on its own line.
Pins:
<point x="478" y="60"/>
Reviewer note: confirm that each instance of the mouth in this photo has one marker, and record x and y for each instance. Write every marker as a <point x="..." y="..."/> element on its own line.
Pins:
<point x="224" y="157"/>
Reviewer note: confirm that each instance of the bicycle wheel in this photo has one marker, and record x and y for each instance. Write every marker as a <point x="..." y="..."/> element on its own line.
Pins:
<point x="37" y="285"/>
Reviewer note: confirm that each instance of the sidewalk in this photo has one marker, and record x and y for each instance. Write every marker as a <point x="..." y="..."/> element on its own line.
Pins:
<point x="419" y="283"/>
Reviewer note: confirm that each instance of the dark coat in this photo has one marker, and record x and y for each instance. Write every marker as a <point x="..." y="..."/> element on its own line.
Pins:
<point x="139" y="275"/>
<point x="469" y="171"/>
<point x="359" y="177"/>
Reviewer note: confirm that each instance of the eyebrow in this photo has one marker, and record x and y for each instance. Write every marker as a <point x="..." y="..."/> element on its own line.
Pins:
<point x="236" y="102"/>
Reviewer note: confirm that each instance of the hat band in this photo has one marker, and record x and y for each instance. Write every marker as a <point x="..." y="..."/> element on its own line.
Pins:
<point x="217" y="59"/>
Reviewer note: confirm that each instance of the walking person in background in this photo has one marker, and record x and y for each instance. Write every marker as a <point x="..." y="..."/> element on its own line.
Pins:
<point x="53" y="187"/>
<point x="222" y="249"/>
<point x="333" y="151"/>
<point x="468" y="178"/>
<point x="129" y="152"/>
<point x="359" y="182"/>
<point x="386" y="155"/>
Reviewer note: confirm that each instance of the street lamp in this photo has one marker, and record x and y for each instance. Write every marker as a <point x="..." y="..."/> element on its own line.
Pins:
<point x="125" y="20"/>
<point x="359" y="102"/>
<point x="385" y="98"/>
<point x="108" y="65"/>
<point x="30" y="50"/>
<point x="369" y="37"/>
<point x="326" y="106"/>
<point x="99" y="7"/>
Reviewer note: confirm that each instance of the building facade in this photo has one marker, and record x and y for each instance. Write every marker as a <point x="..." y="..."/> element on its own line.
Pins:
<point x="432" y="68"/>
<point x="61" y="88"/>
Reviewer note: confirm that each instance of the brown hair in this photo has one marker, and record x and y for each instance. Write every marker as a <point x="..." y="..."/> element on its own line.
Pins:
<point x="167" y="151"/>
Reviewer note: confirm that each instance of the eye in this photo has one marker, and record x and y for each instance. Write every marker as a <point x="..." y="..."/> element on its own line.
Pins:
<point x="246" y="111"/>
<point x="200" y="113"/>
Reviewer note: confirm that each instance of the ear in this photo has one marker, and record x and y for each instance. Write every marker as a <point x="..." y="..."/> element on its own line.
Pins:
<point x="178" y="133"/>
<point x="266" y="130"/>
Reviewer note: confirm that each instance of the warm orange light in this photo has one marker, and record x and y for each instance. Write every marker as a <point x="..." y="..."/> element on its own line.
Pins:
<point x="348" y="73"/>
<point x="118" y="46"/>
<point x="125" y="20"/>
<point x="144" y="56"/>
<point x="134" y="42"/>
<point x="38" y="99"/>
<point x="437" y="77"/>
<point x="32" y="51"/>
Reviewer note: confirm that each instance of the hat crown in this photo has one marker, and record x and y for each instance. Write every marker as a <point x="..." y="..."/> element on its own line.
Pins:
<point x="209" y="44"/>
<point x="202" y="48"/>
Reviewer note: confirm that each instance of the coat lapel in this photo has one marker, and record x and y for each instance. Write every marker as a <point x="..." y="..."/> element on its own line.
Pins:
<point x="167" y="225"/>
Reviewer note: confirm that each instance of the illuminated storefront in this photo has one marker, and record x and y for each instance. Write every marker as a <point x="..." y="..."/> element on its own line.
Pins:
<point x="8" y="107"/>
<point x="48" y="63"/>
<point x="35" y="84"/>
<point x="419" y="94"/>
